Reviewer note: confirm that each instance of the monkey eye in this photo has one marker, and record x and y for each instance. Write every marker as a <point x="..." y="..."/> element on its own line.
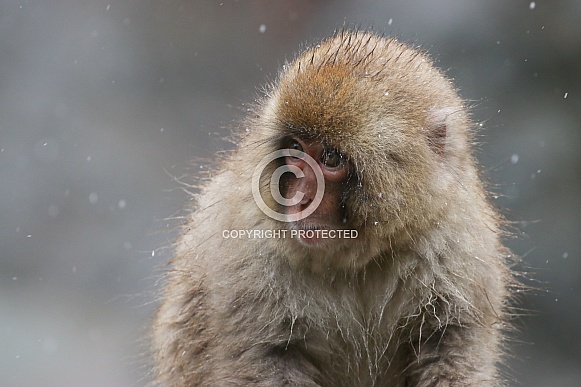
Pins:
<point x="332" y="158"/>
<point x="295" y="145"/>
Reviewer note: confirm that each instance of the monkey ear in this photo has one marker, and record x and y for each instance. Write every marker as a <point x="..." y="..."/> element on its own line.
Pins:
<point x="437" y="128"/>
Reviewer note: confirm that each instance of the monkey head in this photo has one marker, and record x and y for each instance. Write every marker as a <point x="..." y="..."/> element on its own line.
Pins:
<point x="383" y="138"/>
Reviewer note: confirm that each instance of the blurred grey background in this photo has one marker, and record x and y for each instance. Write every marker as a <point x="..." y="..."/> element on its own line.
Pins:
<point x="103" y="105"/>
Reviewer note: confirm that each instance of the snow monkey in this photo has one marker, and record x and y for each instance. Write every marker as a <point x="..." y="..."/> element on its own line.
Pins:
<point x="346" y="241"/>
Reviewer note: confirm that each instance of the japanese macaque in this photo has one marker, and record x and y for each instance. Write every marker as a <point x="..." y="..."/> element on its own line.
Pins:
<point x="365" y="253"/>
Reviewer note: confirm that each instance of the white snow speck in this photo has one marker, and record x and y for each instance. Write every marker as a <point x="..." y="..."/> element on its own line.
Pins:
<point x="532" y="5"/>
<point x="262" y="29"/>
<point x="108" y="7"/>
<point x="565" y="255"/>
<point x="153" y="253"/>
<point x="93" y="197"/>
<point x="122" y="204"/>
<point x="389" y="21"/>
<point x="566" y="95"/>
<point x="514" y="158"/>
<point x="46" y="151"/>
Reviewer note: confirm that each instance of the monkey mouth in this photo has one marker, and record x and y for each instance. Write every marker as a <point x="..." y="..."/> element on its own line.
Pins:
<point x="311" y="227"/>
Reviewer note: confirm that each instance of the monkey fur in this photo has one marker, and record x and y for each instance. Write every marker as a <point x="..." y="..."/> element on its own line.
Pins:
<point x="418" y="298"/>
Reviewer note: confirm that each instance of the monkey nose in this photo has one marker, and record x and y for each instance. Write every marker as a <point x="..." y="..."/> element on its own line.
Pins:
<point x="308" y="188"/>
<point x="305" y="201"/>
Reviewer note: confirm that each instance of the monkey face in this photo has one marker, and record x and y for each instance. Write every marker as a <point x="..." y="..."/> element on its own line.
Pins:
<point x="333" y="169"/>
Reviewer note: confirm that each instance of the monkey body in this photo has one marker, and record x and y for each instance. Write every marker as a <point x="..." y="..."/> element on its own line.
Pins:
<point x="417" y="299"/>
